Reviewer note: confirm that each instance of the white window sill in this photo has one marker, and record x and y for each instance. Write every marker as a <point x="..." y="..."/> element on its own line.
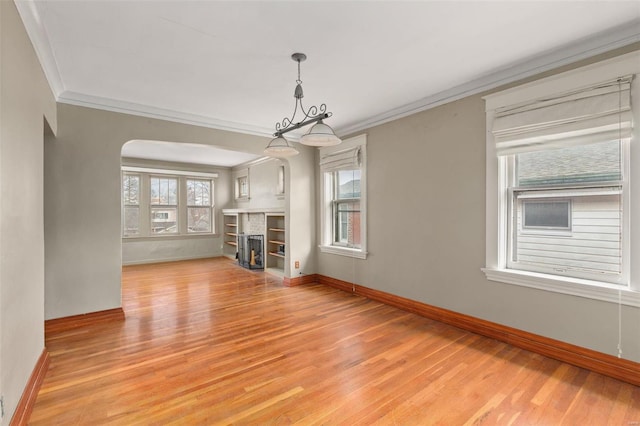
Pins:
<point x="344" y="251"/>
<point x="573" y="286"/>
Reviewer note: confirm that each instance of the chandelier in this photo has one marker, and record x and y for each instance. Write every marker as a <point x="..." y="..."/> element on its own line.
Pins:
<point x="319" y="134"/>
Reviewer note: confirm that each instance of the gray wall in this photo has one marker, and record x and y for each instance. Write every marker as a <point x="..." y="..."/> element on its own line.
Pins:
<point x="82" y="201"/>
<point x="426" y="234"/>
<point x="162" y="249"/>
<point x="25" y="101"/>
<point x="263" y="184"/>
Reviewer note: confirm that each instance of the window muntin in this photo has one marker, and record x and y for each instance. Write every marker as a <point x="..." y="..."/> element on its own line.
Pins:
<point x="198" y="205"/>
<point x="131" y="204"/>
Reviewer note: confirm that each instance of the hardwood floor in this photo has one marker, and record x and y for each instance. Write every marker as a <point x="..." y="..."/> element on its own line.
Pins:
<point x="207" y="342"/>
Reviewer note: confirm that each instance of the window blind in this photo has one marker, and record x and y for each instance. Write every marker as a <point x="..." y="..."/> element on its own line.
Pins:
<point x="343" y="160"/>
<point x="598" y="113"/>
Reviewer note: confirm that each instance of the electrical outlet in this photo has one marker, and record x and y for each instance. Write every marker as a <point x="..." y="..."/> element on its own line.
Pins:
<point x="297" y="264"/>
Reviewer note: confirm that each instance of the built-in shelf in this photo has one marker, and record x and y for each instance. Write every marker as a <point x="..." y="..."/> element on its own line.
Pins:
<point x="276" y="248"/>
<point x="231" y="230"/>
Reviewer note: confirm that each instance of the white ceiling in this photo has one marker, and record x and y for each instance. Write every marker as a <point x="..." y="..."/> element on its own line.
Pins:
<point x="226" y="64"/>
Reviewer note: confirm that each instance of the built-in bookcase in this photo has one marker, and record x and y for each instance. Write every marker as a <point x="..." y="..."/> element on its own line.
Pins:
<point x="231" y="231"/>
<point x="275" y="242"/>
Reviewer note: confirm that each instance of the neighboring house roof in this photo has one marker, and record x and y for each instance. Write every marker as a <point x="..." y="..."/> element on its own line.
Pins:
<point x="586" y="163"/>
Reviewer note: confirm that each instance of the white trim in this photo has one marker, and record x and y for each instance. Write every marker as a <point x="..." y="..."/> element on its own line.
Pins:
<point x="497" y="198"/>
<point x="567" y="81"/>
<point x="620" y="36"/>
<point x="344" y="251"/>
<point x="326" y="229"/>
<point x="132" y="169"/>
<point x="40" y="40"/>
<point x="132" y="108"/>
<point x="599" y="43"/>
<point x="572" y="286"/>
<point x="277" y="210"/>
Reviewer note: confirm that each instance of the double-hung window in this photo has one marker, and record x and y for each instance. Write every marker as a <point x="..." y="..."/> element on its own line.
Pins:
<point x="164" y="205"/>
<point x="198" y="205"/>
<point x="560" y="191"/>
<point x="131" y="204"/>
<point x="343" y="170"/>
<point x="166" y="202"/>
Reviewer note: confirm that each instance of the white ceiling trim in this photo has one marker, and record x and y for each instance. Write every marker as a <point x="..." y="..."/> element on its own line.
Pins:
<point x="40" y="40"/>
<point x="114" y="105"/>
<point x="599" y="43"/>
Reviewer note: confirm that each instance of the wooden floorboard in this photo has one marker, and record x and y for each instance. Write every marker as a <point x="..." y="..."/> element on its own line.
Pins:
<point x="207" y="342"/>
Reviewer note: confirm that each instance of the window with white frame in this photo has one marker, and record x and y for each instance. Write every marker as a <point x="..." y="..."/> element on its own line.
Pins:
<point x="242" y="187"/>
<point x="166" y="202"/>
<point x="343" y="170"/>
<point x="198" y="205"/>
<point x="131" y="204"/>
<point x="559" y="188"/>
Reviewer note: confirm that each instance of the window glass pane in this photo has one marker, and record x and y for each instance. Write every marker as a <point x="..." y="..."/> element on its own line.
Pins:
<point x="348" y="185"/>
<point x="547" y="214"/>
<point x="597" y="162"/>
<point x="164" y="191"/>
<point x="281" y="180"/>
<point x="242" y="184"/>
<point x="198" y="192"/>
<point x="164" y="220"/>
<point x="131" y="220"/>
<point x="591" y="243"/>
<point x="199" y="219"/>
<point x="347" y="229"/>
<point x="130" y="190"/>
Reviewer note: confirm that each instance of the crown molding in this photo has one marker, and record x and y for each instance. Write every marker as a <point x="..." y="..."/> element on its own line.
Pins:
<point x="114" y="105"/>
<point x="40" y="40"/>
<point x="620" y="36"/>
<point x="603" y="42"/>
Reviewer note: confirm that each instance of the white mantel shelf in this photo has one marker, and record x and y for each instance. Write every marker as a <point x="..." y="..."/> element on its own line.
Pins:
<point x="263" y="210"/>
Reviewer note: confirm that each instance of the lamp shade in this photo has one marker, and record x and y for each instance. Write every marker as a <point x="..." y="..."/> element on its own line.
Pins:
<point x="279" y="147"/>
<point x="320" y="135"/>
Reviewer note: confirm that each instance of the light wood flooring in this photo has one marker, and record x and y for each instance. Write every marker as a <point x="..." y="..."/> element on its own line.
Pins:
<point x="206" y="342"/>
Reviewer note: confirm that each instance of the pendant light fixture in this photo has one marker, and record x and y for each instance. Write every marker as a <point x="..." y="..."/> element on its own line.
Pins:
<point x="319" y="135"/>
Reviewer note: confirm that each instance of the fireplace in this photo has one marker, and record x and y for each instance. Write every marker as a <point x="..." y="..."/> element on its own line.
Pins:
<point x="250" y="253"/>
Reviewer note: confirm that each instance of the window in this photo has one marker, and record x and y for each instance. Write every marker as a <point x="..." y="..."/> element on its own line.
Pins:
<point x="131" y="204"/>
<point x="559" y="188"/>
<point x="164" y="205"/>
<point x="198" y="205"/>
<point x="174" y="203"/>
<point x="546" y="215"/>
<point x="344" y="189"/>
<point x="346" y="207"/>
<point x="567" y="209"/>
<point x="280" y="188"/>
<point x="243" y="187"/>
